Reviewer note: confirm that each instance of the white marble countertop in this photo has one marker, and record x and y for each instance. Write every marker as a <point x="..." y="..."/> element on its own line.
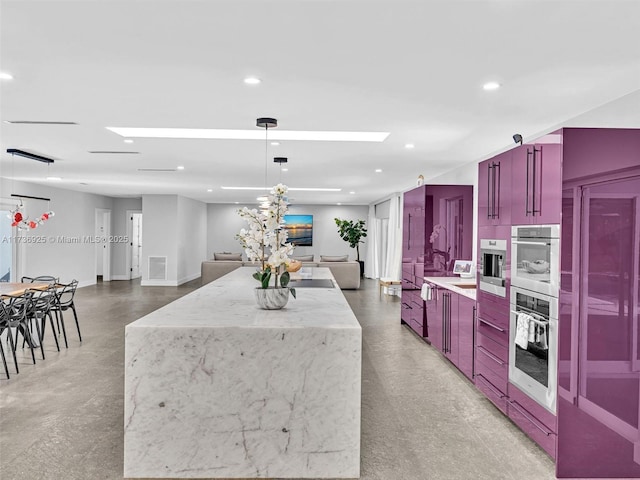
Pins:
<point x="452" y="283"/>
<point x="215" y="387"/>
<point x="231" y="303"/>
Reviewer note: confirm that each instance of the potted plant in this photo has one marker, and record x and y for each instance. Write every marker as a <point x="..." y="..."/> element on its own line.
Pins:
<point x="266" y="242"/>
<point x="353" y="232"/>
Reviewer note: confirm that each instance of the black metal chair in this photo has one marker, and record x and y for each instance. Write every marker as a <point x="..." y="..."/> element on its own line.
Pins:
<point x="40" y="308"/>
<point x="64" y="302"/>
<point x="14" y="315"/>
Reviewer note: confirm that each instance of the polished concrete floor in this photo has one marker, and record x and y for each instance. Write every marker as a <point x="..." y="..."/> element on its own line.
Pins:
<point x="421" y="419"/>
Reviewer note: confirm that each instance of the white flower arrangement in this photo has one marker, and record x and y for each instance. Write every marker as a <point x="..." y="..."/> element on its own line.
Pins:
<point x="265" y="240"/>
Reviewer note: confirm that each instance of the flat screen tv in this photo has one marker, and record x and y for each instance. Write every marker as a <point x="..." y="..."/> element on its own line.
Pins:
<point x="300" y="229"/>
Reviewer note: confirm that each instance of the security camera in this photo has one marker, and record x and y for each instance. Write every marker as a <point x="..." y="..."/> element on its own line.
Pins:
<point x="517" y="138"/>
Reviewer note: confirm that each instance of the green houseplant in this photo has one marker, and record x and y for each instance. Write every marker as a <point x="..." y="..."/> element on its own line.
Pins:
<point x="352" y="232"/>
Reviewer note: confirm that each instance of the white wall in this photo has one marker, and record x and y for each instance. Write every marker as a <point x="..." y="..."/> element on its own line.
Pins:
<point x="223" y="223"/>
<point x="160" y="236"/>
<point x="192" y="238"/>
<point x="119" y="223"/>
<point x="174" y="227"/>
<point x="63" y="250"/>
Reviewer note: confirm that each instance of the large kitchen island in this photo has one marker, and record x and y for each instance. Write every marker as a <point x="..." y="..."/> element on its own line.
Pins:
<point x="217" y="388"/>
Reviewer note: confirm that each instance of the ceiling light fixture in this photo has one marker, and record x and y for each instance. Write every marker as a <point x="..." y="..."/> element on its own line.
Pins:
<point x="226" y="134"/>
<point x="252" y="80"/>
<point x="180" y="167"/>
<point x="352" y="193"/>
<point x="209" y="190"/>
<point x="32" y="156"/>
<point x="409" y="146"/>
<point x="266" y="123"/>
<point x="378" y="170"/>
<point x="5" y="76"/>
<point x="285" y="169"/>
<point x="128" y="140"/>
<point x="275" y="144"/>
<point x="54" y="179"/>
<point x="491" y="86"/>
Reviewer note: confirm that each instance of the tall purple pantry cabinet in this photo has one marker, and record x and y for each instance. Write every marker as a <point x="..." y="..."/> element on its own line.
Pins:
<point x="599" y="317"/>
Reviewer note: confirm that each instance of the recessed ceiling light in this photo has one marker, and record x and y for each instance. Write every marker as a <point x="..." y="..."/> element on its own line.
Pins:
<point x="378" y="170"/>
<point x="180" y="167"/>
<point x="54" y="179"/>
<point x="338" y="203"/>
<point x="237" y="203"/>
<point x="491" y="86"/>
<point x="285" y="169"/>
<point x="275" y="144"/>
<point x="252" y="80"/>
<point x="293" y="189"/>
<point x="352" y="193"/>
<point x="409" y="146"/>
<point x="5" y="76"/>
<point x="128" y="140"/>
<point x="209" y="189"/>
<point x="225" y="134"/>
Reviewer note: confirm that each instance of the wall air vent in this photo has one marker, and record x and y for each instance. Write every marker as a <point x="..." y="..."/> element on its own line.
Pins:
<point x="39" y="122"/>
<point x="123" y="152"/>
<point x="156" y="169"/>
<point x="157" y="268"/>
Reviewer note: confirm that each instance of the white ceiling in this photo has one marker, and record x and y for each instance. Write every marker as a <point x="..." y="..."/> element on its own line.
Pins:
<point x="414" y="69"/>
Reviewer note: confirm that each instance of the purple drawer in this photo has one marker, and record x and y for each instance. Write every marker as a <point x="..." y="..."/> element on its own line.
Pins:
<point x="498" y="375"/>
<point x="495" y="331"/>
<point x="498" y="349"/>
<point x="533" y="427"/>
<point x="494" y="312"/>
<point x="491" y="392"/>
<point x="536" y="410"/>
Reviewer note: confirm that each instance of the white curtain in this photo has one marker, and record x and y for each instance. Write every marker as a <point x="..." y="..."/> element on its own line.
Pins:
<point x="372" y="262"/>
<point x="393" y="265"/>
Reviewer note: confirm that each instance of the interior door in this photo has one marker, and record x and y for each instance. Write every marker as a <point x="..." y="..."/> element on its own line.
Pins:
<point x="136" y="244"/>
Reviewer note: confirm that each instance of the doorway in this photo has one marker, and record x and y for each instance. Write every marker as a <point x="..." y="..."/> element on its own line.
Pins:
<point x="134" y="253"/>
<point x="103" y="244"/>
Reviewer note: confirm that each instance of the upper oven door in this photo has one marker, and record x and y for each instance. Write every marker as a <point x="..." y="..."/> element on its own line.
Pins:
<point x="535" y="258"/>
<point x="533" y="360"/>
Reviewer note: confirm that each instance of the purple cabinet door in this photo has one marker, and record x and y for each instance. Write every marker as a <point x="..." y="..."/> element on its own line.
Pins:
<point x="494" y="197"/>
<point x="466" y="321"/>
<point x="599" y="401"/>
<point x="536" y="184"/>
<point x="434" y="317"/>
<point x="450" y="318"/>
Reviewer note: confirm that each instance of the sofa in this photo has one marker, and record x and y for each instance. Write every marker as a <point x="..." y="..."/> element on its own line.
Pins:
<point x="346" y="273"/>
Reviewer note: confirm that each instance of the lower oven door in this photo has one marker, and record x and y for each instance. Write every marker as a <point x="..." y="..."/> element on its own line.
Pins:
<point x="534" y="369"/>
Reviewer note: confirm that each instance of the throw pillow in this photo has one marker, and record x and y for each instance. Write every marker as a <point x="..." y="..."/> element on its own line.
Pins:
<point x="343" y="258"/>
<point x="227" y="256"/>
<point x="304" y="258"/>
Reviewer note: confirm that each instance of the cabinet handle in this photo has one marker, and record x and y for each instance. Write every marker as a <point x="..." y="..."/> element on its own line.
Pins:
<point x="491" y="325"/>
<point x="522" y="242"/>
<point x="489" y="174"/>
<point x="490" y="386"/>
<point x="527" y="212"/>
<point x="524" y="413"/>
<point x="491" y="356"/>
<point x="473" y="336"/>
<point x="407" y="306"/>
<point x="534" y="210"/>
<point x="409" y="236"/>
<point x="496" y="205"/>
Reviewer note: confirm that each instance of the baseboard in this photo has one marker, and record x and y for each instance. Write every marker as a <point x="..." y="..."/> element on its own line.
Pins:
<point x="159" y="283"/>
<point x="120" y="277"/>
<point x="188" y="278"/>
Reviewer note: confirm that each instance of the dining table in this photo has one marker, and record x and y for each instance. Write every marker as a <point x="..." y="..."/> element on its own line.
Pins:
<point x="18" y="288"/>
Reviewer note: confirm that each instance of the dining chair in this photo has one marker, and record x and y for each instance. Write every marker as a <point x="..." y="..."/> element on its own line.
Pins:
<point x="40" y="308"/>
<point x="41" y="278"/>
<point x="14" y="315"/>
<point x="64" y="301"/>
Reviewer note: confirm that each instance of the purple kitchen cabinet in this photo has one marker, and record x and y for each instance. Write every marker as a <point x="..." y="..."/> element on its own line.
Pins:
<point x="536" y="184"/>
<point x="599" y="345"/>
<point x="433" y="309"/>
<point x="450" y="346"/>
<point x="466" y="326"/>
<point x="494" y="195"/>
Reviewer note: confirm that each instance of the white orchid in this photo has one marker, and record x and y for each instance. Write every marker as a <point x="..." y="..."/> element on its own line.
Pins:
<point x="266" y="238"/>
